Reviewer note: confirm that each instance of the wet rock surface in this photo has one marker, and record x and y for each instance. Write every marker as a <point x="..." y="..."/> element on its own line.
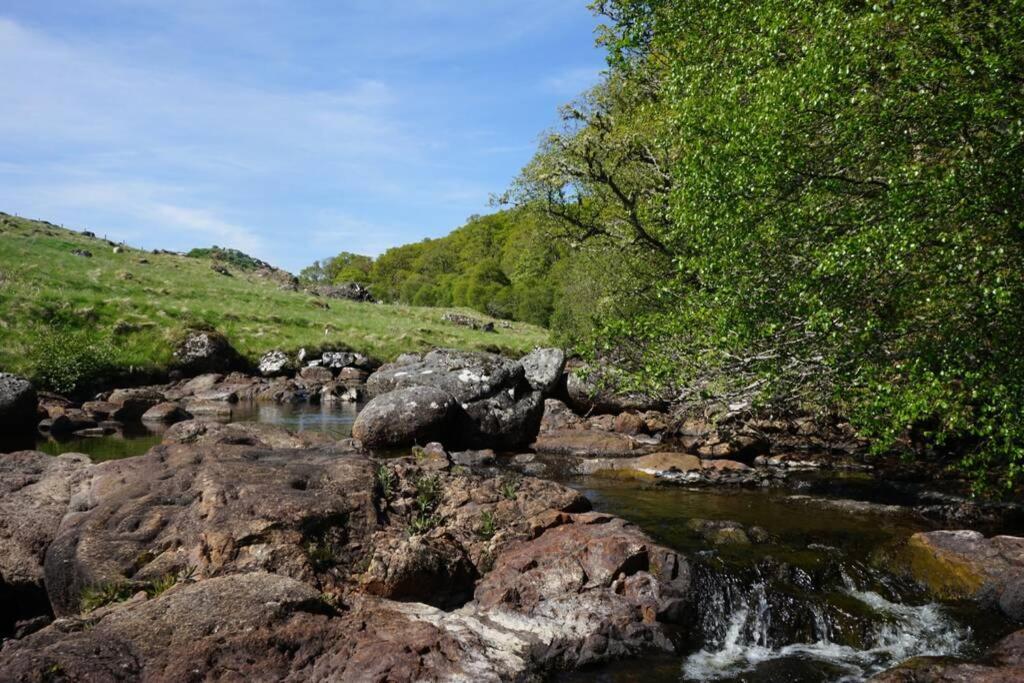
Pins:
<point x="1004" y="663"/>
<point x="323" y="563"/>
<point x="965" y="564"/>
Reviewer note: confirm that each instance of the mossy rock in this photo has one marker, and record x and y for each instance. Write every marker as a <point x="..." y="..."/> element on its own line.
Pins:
<point x="949" y="563"/>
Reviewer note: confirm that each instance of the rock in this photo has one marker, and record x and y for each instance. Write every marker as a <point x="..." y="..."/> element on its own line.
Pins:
<point x="484" y="458"/>
<point x="220" y="268"/>
<point x="468" y="321"/>
<point x="720" y="532"/>
<point x="82" y="252"/>
<point x="166" y="413"/>
<point x="204" y="351"/>
<point x="1004" y="663"/>
<point x="557" y="415"/>
<point x="35" y="492"/>
<point x="316" y="374"/>
<point x="498" y="407"/>
<point x="336" y="360"/>
<point x="466" y="375"/>
<point x="647" y="465"/>
<point x="69" y="421"/>
<point x="405" y="417"/>
<point x="408" y="359"/>
<point x="101" y="410"/>
<point x="204" y="382"/>
<point x="222" y="394"/>
<point x="132" y="403"/>
<point x="591" y="391"/>
<point x="352" y="374"/>
<point x="242" y="433"/>
<point x="353" y="291"/>
<point x="18" y="403"/>
<point x="274" y="363"/>
<point x="964" y="564"/>
<point x="543" y="368"/>
<point x="218" y="410"/>
<point x="502" y="421"/>
<point x="336" y="392"/>
<point x="743" y="447"/>
<point x="655" y="421"/>
<point x="592" y="443"/>
<point x="629" y="423"/>
<point x="288" y="555"/>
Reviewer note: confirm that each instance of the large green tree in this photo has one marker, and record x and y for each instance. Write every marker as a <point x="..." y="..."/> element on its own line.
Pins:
<point x="816" y="204"/>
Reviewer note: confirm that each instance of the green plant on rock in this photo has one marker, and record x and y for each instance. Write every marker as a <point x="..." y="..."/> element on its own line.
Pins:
<point x="321" y="555"/>
<point x="101" y="595"/>
<point x="422" y="523"/>
<point x="160" y="584"/>
<point x="508" y="487"/>
<point x="385" y="480"/>
<point x="487" y="525"/>
<point x="428" y="493"/>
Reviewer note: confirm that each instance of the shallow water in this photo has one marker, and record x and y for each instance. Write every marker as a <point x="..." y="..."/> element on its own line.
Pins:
<point x="811" y="603"/>
<point x="333" y="419"/>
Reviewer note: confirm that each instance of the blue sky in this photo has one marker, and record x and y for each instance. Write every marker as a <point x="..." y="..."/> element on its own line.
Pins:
<point x="290" y="129"/>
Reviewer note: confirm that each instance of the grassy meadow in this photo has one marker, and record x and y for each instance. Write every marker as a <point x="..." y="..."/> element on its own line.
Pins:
<point x="132" y="306"/>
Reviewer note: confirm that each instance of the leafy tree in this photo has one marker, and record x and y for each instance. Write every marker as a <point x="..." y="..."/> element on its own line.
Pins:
<point x="815" y="205"/>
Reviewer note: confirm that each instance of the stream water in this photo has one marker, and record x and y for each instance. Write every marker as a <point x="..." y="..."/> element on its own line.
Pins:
<point x="811" y="601"/>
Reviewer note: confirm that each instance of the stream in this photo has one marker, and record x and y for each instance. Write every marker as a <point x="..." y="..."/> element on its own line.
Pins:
<point x="810" y="600"/>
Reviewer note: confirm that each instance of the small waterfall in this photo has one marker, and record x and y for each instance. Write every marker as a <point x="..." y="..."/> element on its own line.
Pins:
<point x="780" y="620"/>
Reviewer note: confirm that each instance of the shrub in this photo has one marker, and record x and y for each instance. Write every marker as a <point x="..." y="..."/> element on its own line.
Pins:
<point x="65" y="360"/>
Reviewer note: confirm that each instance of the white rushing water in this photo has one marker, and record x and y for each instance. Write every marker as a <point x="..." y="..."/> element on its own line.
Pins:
<point x="902" y="631"/>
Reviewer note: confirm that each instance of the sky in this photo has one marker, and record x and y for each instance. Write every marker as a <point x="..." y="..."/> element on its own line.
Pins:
<point x="289" y="129"/>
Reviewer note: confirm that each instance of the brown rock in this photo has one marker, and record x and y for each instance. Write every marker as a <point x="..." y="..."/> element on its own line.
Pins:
<point x="166" y="413"/>
<point x="134" y="402"/>
<point x="589" y="442"/>
<point x="629" y="423"/>
<point x="316" y="374"/>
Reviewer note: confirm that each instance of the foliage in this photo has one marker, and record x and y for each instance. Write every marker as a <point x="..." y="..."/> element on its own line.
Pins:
<point x="508" y="487"/>
<point x="385" y="481"/>
<point x="105" y="594"/>
<point x="232" y="257"/>
<point x="500" y="264"/>
<point x="487" y="525"/>
<point x="815" y="205"/>
<point x="65" y="359"/>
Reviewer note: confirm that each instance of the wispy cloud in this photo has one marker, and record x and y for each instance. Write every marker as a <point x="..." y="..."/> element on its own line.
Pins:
<point x="573" y="81"/>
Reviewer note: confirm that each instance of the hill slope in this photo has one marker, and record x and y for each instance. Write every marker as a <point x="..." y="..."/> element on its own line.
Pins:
<point x="133" y="305"/>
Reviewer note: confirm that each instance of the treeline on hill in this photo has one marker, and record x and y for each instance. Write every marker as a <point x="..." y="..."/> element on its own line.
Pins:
<point x="808" y="204"/>
<point x="504" y="265"/>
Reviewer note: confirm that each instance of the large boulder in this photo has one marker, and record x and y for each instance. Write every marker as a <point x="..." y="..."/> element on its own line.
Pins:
<point x="544" y="369"/>
<point x="467" y="375"/>
<point x="166" y="413"/>
<point x="18" y="402"/>
<point x="964" y="564"/>
<point x="415" y="414"/>
<point x="202" y="351"/>
<point x="133" y="403"/>
<point x="35" y="492"/>
<point x="497" y="407"/>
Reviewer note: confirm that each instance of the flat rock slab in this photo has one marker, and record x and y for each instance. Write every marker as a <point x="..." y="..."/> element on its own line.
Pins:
<point x="591" y="443"/>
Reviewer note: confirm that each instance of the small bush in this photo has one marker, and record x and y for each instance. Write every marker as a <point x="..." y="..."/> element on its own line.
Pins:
<point x="509" y="487"/>
<point x="65" y="361"/>
<point x="385" y="481"/>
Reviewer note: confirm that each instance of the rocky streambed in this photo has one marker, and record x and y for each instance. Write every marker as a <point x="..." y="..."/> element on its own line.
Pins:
<point x="588" y="536"/>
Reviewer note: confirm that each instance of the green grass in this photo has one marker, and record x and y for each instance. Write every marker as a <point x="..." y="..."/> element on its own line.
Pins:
<point x="142" y="308"/>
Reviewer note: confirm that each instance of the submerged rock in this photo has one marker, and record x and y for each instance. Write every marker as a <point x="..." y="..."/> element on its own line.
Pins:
<point x="1004" y="663"/>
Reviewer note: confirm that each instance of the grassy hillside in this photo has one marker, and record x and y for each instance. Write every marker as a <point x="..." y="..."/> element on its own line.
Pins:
<point x="132" y="305"/>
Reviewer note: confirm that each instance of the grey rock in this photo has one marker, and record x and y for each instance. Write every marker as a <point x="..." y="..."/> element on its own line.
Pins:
<point x="405" y="417"/>
<point x="18" y="402"/>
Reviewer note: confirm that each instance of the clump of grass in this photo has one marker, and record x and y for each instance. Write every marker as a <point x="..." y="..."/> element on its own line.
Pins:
<point x="94" y="597"/>
<point x="508" y="487"/>
<point x="160" y="584"/>
<point x="385" y="480"/>
<point x="487" y="525"/>
<point x="428" y="495"/>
